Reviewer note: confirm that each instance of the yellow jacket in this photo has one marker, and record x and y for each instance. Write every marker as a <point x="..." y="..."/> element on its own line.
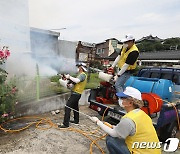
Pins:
<point x="124" y="55"/>
<point x="145" y="132"/>
<point x="79" y="87"/>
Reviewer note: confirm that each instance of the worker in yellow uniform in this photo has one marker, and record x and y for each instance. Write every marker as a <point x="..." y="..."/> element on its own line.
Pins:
<point x="73" y="102"/>
<point x="134" y="127"/>
<point x="126" y="62"/>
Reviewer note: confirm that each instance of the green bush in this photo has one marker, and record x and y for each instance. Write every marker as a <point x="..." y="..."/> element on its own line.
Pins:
<point x="94" y="81"/>
<point x="8" y="90"/>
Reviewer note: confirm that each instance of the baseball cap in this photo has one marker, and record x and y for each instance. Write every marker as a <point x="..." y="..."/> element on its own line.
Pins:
<point x="130" y="92"/>
<point x="128" y="37"/>
<point x="83" y="65"/>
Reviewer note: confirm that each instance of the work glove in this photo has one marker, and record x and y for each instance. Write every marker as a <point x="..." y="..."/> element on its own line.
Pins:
<point x="115" y="78"/>
<point x="94" y="119"/>
<point x="67" y="76"/>
<point x="70" y="86"/>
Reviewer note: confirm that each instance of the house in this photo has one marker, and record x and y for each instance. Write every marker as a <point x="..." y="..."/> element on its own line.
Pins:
<point x="163" y="57"/>
<point x="108" y="50"/>
<point x="85" y="52"/>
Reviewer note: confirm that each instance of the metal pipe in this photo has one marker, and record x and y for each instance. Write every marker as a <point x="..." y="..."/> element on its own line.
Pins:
<point x="37" y="83"/>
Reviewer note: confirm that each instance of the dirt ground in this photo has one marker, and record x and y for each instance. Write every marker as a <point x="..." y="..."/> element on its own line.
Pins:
<point x="53" y="140"/>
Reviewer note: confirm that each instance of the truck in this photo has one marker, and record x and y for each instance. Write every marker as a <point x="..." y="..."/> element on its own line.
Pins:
<point x="160" y="88"/>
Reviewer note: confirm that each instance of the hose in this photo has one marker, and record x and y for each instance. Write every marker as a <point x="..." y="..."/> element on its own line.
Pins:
<point x="177" y="115"/>
<point x="48" y="122"/>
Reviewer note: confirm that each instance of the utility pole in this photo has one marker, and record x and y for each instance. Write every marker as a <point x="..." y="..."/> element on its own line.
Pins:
<point x="91" y="57"/>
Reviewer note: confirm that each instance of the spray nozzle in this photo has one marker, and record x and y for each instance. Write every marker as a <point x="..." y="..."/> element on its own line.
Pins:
<point x="62" y="76"/>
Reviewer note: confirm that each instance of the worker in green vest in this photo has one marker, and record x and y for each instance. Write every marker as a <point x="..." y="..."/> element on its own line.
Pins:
<point x="135" y="133"/>
<point x="73" y="102"/>
<point x="126" y="62"/>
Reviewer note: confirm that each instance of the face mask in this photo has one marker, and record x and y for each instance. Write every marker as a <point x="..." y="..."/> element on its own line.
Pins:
<point x="77" y="69"/>
<point x="120" y="102"/>
<point x="125" y="45"/>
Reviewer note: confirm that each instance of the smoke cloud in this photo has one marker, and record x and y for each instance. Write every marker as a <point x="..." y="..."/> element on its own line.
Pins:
<point x="24" y="65"/>
<point x="55" y="64"/>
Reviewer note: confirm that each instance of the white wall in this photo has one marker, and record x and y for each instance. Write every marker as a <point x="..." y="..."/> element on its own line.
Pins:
<point x="67" y="49"/>
<point x="15" y="33"/>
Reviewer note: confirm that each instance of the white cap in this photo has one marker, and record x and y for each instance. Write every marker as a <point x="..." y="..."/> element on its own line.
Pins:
<point x="128" y="37"/>
<point x="85" y="69"/>
<point x="130" y="92"/>
<point x="83" y="66"/>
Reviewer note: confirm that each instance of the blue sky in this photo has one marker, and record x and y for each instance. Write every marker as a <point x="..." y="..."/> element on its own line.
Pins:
<point x="97" y="20"/>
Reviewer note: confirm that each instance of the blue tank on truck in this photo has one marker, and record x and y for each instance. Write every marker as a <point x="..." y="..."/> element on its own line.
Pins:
<point x="162" y="87"/>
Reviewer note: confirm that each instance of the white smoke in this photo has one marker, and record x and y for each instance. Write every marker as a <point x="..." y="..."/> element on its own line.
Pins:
<point x="53" y="65"/>
<point x="24" y="65"/>
<point x="20" y="65"/>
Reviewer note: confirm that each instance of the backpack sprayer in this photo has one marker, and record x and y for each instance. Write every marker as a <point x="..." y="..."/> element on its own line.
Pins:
<point x="67" y="83"/>
<point x="105" y="76"/>
<point x="108" y="77"/>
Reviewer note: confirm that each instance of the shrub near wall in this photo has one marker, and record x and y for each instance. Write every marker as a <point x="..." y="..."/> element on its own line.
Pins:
<point x="8" y="90"/>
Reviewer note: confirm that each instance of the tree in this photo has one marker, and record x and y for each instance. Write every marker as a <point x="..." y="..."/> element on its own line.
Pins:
<point x="168" y="43"/>
<point x="156" y="45"/>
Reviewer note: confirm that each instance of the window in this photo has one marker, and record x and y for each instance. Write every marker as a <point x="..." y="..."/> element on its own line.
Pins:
<point x="155" y="75"/>
<point x="100" y="51"/>
<point x="114" y="43"/>
<point x="167" y="76"/>
<point x="145" y="74"/>
<point x="175" y="79"/>
<point x="83" y="56"/>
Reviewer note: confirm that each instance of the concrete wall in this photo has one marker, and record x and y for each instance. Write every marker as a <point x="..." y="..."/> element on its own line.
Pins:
<point x="43" y="42"/>
<point x="67" y="49"/>
<point x="48" y="104"/>
<point x="15" y="33"/>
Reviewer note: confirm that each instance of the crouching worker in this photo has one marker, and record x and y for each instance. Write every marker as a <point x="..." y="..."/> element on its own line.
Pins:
<point x="134" y="127"/>
<point x="73" y="102"/>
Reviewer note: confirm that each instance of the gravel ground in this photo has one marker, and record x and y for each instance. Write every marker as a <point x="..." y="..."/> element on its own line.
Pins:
<point x="53" y="140"/>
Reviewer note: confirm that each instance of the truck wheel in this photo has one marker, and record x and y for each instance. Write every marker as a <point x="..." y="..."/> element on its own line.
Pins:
<point x="163" y="134"/>
<point x="168" y="131"/>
